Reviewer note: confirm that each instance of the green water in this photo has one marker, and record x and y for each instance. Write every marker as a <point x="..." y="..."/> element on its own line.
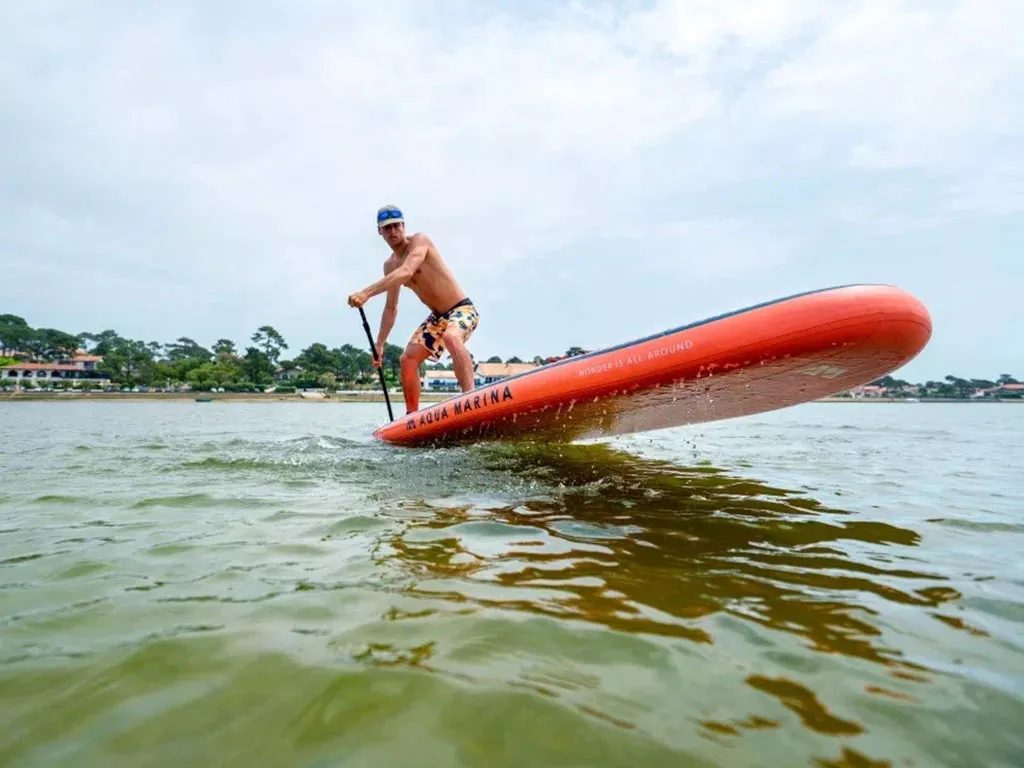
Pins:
<point x="234" y="584"/>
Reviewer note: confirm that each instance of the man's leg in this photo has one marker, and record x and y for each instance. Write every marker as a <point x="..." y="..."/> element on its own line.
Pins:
<point x="413" y="357"/>
<point x="461" y="360"/>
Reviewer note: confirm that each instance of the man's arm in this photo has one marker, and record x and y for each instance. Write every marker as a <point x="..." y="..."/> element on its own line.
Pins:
<point x="387" y="319"/>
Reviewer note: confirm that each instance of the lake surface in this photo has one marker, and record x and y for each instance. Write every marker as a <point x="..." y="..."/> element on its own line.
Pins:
<point x="234" y="584"/>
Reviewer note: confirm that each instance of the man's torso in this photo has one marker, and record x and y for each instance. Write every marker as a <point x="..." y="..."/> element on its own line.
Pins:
<point x="433" y="282"/>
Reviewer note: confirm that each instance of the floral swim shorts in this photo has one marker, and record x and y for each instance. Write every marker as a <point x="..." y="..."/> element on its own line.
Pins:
<point x="463" y="317"/>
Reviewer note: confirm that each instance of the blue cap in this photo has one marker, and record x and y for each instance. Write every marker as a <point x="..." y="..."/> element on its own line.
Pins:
<point x="389" y="214"/>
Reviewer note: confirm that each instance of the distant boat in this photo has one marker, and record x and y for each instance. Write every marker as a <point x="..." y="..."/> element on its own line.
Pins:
<point x="912" y="400"/>
<point x="204" y="399"/>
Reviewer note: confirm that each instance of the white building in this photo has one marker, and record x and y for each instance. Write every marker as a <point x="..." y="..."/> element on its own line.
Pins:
<point x="78" y="368"/>
<point x="485" y="373"/>
<point x="445" y="381"/>
<point x="492" y="372"/>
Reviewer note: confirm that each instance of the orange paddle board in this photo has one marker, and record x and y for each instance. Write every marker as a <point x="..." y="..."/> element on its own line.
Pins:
<point x="761" y="358"/>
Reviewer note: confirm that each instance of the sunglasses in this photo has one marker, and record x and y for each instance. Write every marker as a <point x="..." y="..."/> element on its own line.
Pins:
<point x="387" y="215"/>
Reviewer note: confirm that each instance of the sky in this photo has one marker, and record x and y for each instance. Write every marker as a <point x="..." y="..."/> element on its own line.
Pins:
<point x="592" y="172"/>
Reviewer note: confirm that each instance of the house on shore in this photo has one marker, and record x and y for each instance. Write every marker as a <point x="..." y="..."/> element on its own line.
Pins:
<point x="444" y="381"/>
<point x="80" y="367"/>
<point x="289" y="373"/>
<point x="492" y="372"/>
<point x="1004" y="390"/>
<point x="869" y="390"/>
<point x="437" y="380"/>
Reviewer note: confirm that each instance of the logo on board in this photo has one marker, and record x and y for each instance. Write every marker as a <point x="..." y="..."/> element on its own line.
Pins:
<point x="467" y="404"/>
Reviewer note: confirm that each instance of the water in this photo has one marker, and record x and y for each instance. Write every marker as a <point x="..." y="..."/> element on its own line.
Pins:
<point x="262" y="585"/>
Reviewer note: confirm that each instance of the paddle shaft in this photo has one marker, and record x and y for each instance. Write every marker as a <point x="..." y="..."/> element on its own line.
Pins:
<point x="380" y="370"/>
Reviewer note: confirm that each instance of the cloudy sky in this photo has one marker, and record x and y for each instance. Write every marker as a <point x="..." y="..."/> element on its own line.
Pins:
<point x="593" y="172"/>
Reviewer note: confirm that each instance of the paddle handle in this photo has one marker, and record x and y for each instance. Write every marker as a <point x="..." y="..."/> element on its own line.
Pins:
<point x="380" y="370"/>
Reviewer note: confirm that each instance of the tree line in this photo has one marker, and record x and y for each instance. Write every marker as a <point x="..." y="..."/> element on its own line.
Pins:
<point x="131" y="362"/>
<point x="950" y="386"/>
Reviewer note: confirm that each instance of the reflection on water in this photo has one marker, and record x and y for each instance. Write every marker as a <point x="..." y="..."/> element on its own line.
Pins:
<point x="652" y="548"/>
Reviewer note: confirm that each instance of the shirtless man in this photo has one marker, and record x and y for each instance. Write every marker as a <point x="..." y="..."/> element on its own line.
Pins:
<point x="416" y="262"/>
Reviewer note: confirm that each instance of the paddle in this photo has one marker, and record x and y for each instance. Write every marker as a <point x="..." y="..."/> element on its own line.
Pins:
<point x="380" y="371"/>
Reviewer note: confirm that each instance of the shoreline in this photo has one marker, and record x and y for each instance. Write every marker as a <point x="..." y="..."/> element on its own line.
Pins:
<point x="372" y="397"/>
<point x="251" y="397"/>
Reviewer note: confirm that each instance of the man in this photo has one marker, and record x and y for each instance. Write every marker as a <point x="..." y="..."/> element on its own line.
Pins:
<point x="416" y="263"/>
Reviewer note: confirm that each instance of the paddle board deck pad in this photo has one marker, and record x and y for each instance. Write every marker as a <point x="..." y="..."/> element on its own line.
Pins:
<point x="762" y="358"/>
